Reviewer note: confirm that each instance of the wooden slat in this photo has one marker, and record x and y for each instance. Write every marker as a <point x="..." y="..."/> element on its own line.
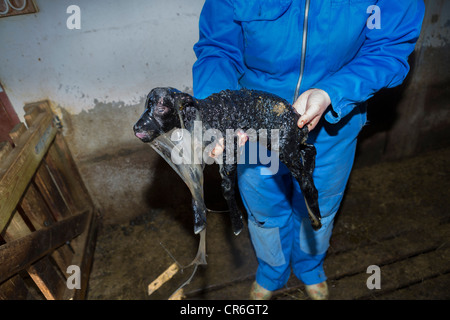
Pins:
<point x="19" y="254"/>
<point x="51" y="193"/>
<point x="63" y="257"/>
<point x="65" y="155"/>
<point x="85" y="245"/>
<point x="17" y="132"/>
<point x="47" y="278"/>
<point x="16" y="229"/>
<point x="37" y="211"/>
<point x="14" y="289"/>
<point x="32" y="115"/>
<point x="35" y="208"/>
<point x="163" y="278"/>
<point x="37" y="107"/>
<point x="19" y="166"/>
<point x="65" y="173"/>
<point x="61" y="162"/>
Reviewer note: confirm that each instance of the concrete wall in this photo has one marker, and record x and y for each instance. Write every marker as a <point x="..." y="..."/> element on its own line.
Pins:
<point x="97" y="78"/>
<point x="99" y="75"/>
<point x="123" y="49"/>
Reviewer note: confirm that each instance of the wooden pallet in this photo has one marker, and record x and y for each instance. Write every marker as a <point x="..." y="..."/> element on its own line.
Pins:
<point x="47" y="218"/>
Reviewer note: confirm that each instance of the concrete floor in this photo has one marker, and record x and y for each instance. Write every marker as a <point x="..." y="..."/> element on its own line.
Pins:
<point x="395" y="215"/>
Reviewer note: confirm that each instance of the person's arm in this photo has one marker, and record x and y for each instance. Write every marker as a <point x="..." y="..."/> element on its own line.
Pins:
<point x="219" y="50"/>
<point x="382" y="62"/>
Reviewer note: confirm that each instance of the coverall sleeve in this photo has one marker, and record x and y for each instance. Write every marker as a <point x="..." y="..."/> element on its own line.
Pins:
<point x="382" y="61"/>
<point x="219" y="62"/>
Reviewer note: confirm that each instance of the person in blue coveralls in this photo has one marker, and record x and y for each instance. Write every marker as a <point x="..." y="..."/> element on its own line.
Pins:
<point x="327" y="57"/>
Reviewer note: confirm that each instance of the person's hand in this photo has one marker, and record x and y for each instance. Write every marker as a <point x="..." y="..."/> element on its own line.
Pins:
<point x="311" y="105"/>
<point x="219" y="147"/>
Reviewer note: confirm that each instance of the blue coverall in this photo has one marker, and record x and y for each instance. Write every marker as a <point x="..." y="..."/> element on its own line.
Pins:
<point x="348" y="48"/>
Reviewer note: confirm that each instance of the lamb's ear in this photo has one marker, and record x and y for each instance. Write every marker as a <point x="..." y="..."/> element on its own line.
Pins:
<point x="146" y="106"/>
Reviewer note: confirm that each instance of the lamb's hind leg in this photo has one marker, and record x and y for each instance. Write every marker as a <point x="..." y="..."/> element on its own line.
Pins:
<point x="228" y="173"/>
<point x="301" y="165"/>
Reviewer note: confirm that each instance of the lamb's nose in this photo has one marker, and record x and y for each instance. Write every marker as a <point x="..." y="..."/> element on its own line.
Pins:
<point x="140" y="135"/>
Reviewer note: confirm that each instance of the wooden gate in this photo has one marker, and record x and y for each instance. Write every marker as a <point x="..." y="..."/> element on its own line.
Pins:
<point x="47" y="218"/>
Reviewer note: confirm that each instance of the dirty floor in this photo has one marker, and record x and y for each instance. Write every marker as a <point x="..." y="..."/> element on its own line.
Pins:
<point x="395" y="215"/>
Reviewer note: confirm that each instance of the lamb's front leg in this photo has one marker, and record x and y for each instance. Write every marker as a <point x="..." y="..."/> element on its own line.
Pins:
<point x="228" y="173"/>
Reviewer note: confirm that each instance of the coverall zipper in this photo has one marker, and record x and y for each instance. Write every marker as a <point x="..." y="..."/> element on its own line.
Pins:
<point x="303" y="57"/>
